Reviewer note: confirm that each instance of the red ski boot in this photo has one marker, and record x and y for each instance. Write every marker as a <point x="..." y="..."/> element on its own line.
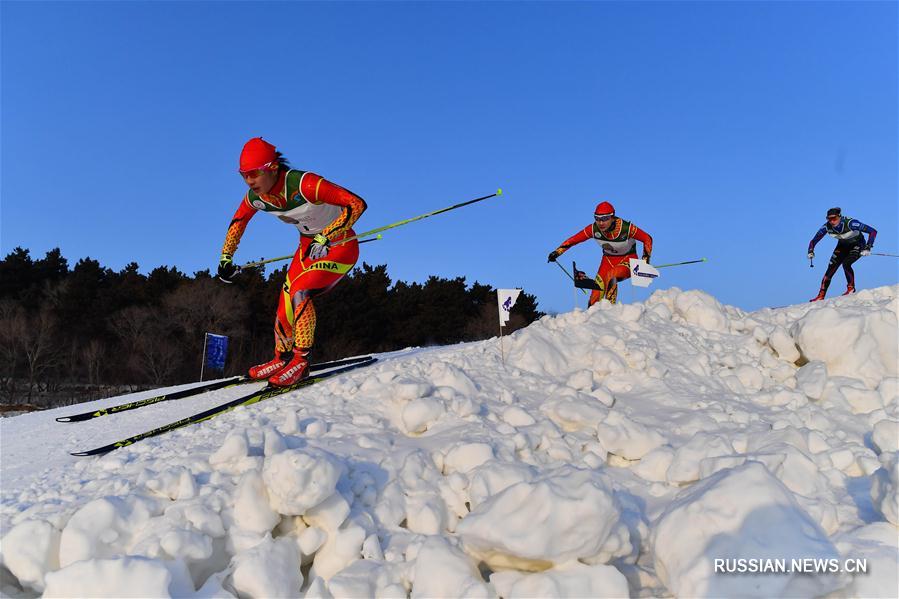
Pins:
<point x="295" y="371"/>
<point x="818" y="297"/>
<point x="270" y="368"/>
<point x="849" y="290"/>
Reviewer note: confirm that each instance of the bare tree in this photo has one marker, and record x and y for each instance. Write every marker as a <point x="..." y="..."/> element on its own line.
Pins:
<point x="38" y="345"/>
<point x="12" y="326"/>
<point x="152" y="352"/>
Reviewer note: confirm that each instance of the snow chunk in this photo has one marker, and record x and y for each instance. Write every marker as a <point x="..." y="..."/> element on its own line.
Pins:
<point x="419" y="414"/>
<point x="442" y="570"/>
<point x="464" y="457"/>
<point x="867" y="347"/>
<point x="270" y="569"/>
<point x="120" y="577"/>
<point x="299" y="479"/>
<point x="626" y="438"/>
<point x="515" y="416"/>
<point x="251" y="507"/>
<point x="701" y="309"/>
<point x="781" y="342"/>
<point x="494" y="477"/>
<point x="876" y="543"/>
<point x="99" y="528"/>
<point x="572" y="579"/>
<point x="235" y="447"/>
<point x="812" y="378"/>
<point x="886" y="435"/>
<point x="885" y="487"/>
<point x="531" y="526"/>
<point x="718" y="519"/>
<point x="685" y="467"/>
<point x="30" y="550"/>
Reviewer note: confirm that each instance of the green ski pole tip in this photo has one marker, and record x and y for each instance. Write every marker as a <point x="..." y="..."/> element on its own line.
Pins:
<point x="499" y="192"/>
<point x="379" y="236"/>
<point x="705" y="259"/>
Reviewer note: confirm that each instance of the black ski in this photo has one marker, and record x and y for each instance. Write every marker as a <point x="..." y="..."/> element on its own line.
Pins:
<point x="211" y="386"/>
<point x="582" y="281"/>
<point x="246" y="400"/>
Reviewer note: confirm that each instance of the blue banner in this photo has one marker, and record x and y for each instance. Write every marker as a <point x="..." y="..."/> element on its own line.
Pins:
<point x="216" y="350"/>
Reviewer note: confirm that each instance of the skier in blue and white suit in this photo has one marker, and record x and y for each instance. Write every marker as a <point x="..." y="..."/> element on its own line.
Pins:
<point x="851" y="246"/>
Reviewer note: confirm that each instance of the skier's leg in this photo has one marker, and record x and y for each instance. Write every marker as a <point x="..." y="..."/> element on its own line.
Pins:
<point x="851" y="256"/>
<point x="602" y="279"/>
<point x="283" y="326"/>
<point x="835" y="260"/>
<point x="315" y="278"/>
<point x="620" y="270"/>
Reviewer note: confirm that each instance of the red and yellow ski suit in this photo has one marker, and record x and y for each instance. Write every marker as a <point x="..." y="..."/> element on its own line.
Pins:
<point x="618" y="244"/>
<point x="315" y="206"/>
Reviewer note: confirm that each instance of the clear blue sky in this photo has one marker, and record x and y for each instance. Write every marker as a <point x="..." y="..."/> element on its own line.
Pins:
<point x="724" y="129"/>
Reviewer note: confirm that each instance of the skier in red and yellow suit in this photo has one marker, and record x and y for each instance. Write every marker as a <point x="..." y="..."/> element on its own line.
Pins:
<point x="618" y="239"/>
<point x="324" y="213"/>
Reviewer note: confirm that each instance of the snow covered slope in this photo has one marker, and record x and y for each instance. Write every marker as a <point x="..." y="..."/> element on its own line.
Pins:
<point x="625" y="450"/>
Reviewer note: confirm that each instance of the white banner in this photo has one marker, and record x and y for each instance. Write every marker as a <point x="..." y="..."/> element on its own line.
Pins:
<point x="506" y="299"/>
<point x="642" y="273"/>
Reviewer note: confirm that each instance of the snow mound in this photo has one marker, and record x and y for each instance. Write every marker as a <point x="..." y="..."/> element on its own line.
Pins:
<point x="718" y="521"/>
<point x="619" y="450"/>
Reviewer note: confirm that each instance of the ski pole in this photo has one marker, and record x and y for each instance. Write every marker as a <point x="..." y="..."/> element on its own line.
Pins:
<point x="261" y="262"/>
<point x="811" y="263"/>
<point x="499" y="192"/>
<point x="880" y="254"/>
<point x="569" y="276"/>
<point x="681" y="263"/>
<point x="400" y="223"/>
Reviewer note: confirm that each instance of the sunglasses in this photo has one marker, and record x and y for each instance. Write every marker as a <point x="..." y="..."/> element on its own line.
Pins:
<point x="604" y="217"/>
<point x="255" y="172"/>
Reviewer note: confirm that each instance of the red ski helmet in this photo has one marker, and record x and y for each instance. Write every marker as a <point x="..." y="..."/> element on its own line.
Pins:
<point x="604" y="209"/>
<point x="257" y="153"/>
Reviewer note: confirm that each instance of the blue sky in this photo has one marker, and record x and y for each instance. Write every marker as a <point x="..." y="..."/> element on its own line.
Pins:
<point x="724" y="129"/>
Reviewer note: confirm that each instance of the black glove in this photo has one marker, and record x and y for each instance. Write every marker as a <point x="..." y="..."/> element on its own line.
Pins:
<point x="646" y="257"/>
<point x="866" y="251"/>
<point x="811" y="254"/>
<point x="228" y="271"/>
<point x="554" y="254"/>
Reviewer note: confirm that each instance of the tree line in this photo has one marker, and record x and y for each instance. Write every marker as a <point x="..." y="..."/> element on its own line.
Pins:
<point x="80" y="333"/>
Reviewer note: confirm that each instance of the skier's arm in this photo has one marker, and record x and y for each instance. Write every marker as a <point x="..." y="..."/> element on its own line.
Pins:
<point x="319" y="190"/>
<point x="238" y="224"/>
<point x="856" y="225"/>
<point x="644" y="238"/>
<point x="818" y="236"/>
<point x="579" y="237"/>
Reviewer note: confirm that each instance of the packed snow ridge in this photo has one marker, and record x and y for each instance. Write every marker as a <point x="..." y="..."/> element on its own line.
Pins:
<point x="627" y="450"/>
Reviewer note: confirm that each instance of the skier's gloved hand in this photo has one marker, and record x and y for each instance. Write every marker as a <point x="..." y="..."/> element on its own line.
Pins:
<point x="866" y="251"/>
<point x="646" y="257"/>
<point x="554" y="254"/>
<point x="811" y="255"/>
<point x="227" y="269"/>
<point x="320" y="247"/>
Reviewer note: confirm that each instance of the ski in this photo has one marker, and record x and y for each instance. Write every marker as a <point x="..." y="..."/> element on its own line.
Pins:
<point x="211" y="386"/>
<point x="245" y="400"/>
<point x="582" y="281"/>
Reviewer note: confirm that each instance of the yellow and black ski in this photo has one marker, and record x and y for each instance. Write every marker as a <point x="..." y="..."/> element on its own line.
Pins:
<point x="246" y="400"/>
<point x="204" y="388"/>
